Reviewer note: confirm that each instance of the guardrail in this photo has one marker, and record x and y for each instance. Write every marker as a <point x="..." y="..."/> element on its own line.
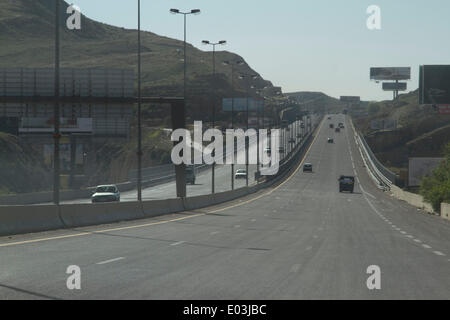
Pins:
<point x="385" y="177"/>
<point x="38" y="218"/>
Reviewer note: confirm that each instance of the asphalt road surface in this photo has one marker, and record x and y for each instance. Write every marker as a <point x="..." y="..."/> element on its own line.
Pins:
<point x="299" y="240"/>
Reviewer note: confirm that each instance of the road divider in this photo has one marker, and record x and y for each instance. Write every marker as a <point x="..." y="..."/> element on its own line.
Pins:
<point x="23" y="219"/>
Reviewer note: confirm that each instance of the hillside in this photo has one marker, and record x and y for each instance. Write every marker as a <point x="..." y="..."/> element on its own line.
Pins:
<point x="421" y="131"/>
<point x="27" y="28"/>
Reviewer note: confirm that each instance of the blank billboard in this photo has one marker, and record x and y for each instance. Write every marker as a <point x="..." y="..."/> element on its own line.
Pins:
<point x="434" y="84"/>
<point x="400" y="73"/>
<point x="394" y="86"/>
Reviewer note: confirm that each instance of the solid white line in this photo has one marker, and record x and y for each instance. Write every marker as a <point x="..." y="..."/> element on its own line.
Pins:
<point x="177" y="243"/>
<point x="109" y="261"/>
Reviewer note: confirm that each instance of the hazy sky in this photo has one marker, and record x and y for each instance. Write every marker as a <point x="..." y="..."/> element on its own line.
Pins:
<point x="320" y="45"/>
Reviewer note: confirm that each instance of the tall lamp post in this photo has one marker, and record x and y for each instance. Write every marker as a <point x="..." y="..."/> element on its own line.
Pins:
<point x="233" y="64"/>
<point x="139" y="151"/>
<point x="214" y="44"/>
<point x="248" y="77"/>
<point x="193" y="11"/>
<point x="56" y="133"/>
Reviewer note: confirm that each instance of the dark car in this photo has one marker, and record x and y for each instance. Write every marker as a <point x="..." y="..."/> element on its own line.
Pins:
<point x="330" y="140"/>
<point x="346" y="183"/>
<point x="331" y="126"/>
<point x="337" y="130"/>
<point x="307" y="167"/>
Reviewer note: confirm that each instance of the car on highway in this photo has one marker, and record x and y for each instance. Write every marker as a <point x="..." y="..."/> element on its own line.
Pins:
<point x="341" y="125"/>
<point x="330" y="140"/>
<point x="331" y="126"/>
<point x="337" y="130"/>
<point x="106" y="193"/>
<point x="240" y="174"/>
<point x="268" y="151"/>
<point x="308" y="167"/>
<point x="190" y="174"/>
<point x="346" y="183"/>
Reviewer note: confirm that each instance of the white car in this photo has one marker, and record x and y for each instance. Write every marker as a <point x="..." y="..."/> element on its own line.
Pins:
<point x="241" y="174"/>
<point x="106" y="193"/>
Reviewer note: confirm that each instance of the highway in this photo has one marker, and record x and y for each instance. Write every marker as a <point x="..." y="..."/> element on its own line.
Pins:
<point x="301" y="239"/>
<point x="202" y="186"/>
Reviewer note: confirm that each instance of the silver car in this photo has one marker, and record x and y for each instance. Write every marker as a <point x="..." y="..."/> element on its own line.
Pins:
<point x="106" y="193"/>
<point x="241" y="174"/>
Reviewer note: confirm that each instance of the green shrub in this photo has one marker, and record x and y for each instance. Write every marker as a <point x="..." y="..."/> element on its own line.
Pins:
<point x="436" y="188"/>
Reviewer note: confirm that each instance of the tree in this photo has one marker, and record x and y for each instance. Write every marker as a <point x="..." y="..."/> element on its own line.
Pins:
<point x="436" y="188"/>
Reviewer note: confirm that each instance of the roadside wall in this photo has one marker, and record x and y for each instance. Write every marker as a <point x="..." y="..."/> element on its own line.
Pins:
<point x="445" y="211"/>
<point x="411" y="198"/>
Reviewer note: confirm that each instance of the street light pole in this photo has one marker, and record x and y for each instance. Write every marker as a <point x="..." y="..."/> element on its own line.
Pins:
<point x="56" y="133"/>
<point x="139" y="152"/>
<point x="232" y="64"/>
<point x="206" y="42"/>
<point x="193" y="11"/>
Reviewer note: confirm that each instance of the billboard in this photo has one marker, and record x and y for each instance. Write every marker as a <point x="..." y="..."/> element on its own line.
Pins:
<point x="444" y="109"/>
<point x="395" y="86"/>
<point x="381" y="124"/>
<point x="45" y="125"/>
<point x="402" y="73"/>
<point x="434" y="84"/>
<point x="421" y="167"/>
<point x="350" y="99"/>
<point x="240" y="104"/>
<point x="73" y="82"/>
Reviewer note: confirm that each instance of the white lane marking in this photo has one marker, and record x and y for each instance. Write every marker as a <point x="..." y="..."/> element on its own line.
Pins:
<point x="295" y="268"/>
<point x="214" y="233"/>
<point x="438" y="253"/>
<point x="109" y="261"/>
<point x="177" y="243"/>
<point x="309" y="248"/>
<point x="253" y="220"/>
<point x="237" y="226"/>
<point x="417" y="240"/>
<point x="402" y="232"/>
<point x="426" y="246"/>
<point x="409" y="236"/>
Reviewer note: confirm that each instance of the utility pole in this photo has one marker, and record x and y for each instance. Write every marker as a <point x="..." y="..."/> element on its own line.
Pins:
<point x="56" y="133"/>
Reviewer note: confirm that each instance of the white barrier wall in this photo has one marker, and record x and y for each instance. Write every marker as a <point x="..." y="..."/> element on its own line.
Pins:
<point x="411" y="198"/>
<point x="445" y="211"/>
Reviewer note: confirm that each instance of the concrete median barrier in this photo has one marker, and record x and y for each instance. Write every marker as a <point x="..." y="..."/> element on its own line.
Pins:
<point x="80" y="215"/>
<point x="27" y="219"/>
<point x="159" y="207"/>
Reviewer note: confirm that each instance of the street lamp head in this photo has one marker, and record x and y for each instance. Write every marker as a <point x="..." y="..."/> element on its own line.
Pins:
<point x="195" y="11"/>
<point x="222" y="42"/>
<point x="205" y="42"/>
<point x="174" y="11"/>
